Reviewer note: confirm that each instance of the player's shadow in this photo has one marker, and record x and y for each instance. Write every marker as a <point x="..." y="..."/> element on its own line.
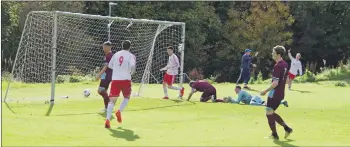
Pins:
<point x="161" y="107"/>
<point x="301" y="91"/>
<point x="126" y="134"/>
<point x="251" y="89"/>
<point x="284" y="143"/>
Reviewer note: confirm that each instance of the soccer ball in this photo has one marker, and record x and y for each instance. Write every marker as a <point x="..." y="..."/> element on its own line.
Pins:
<point x="86" y="92"/>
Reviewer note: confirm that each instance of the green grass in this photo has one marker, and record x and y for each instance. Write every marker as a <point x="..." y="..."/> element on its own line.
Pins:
<point x="319" y="115"/>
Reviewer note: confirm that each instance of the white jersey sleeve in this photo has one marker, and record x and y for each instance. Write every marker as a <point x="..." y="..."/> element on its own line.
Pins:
<point x="173" y="65"/>
<point x="123" y="64"/>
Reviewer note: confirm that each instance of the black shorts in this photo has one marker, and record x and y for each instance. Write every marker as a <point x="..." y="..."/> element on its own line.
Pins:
<point x="206" y="95"/>
<point x="273" y="103"/>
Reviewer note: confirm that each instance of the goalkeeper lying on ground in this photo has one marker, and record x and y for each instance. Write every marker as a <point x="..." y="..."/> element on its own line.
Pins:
<point x="246" y="98"/>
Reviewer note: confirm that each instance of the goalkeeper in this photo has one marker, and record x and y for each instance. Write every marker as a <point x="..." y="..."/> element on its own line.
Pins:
<point x="248" y="99"/>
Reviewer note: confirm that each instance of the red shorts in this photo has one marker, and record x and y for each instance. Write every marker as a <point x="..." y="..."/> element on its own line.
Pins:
<point x="169" y="79"/>
<point x="120" y="85"/>
<point x="291" y="76"/>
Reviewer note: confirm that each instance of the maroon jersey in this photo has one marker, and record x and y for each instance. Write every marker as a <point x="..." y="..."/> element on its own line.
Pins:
<point x="109" y="71"/>
<point x="280" y="71"/>
<point x="202" y="86"/>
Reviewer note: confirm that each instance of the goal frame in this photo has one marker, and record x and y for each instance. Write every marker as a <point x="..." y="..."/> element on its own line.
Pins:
<point x="54" y="45"/>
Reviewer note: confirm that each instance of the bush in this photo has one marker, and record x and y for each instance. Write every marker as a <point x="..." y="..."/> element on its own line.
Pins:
<point x="340" y="84"/>
<point x="307" y="77"/>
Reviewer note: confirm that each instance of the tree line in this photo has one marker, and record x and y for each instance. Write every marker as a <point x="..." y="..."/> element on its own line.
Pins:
<point x="218" y="32"/>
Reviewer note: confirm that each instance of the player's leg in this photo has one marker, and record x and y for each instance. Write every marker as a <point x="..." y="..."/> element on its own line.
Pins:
<point x="270" y="108"/>
<point x="206" y="96"/>
<point x="280" y="121"/>
<point x="113" y="96"/>
<point x="170" y="82"/>
<point x="126" y="89"/>
<point x="165" y="86"/>
<point x="246" y="77"/>
<point x="102" y="90"/>
<point x="290" y="78"/>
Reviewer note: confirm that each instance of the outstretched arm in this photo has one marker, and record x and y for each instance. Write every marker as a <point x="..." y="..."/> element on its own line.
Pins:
<point x="192" y="92"/>
<point x="290" y="55"/>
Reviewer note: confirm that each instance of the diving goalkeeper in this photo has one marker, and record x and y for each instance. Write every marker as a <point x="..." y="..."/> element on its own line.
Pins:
<point x="248" y="99"/>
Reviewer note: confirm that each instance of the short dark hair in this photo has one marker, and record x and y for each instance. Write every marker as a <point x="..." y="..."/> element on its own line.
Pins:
<point x="107" y="43"/>
<point x="170" y="48"/>
<point x="280" y="50"/>
<point x="239" y="87"/>
<point x="126" y="45"/>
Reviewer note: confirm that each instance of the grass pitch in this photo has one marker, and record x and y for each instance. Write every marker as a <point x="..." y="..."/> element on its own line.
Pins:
<point x="318" y="114"/>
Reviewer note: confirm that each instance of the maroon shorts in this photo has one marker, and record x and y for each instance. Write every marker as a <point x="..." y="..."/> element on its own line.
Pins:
<point x="120" y="85"/>
<point x="274" y="102"/>
<point x="206" y="95"/>
<point x="104" y="83"/>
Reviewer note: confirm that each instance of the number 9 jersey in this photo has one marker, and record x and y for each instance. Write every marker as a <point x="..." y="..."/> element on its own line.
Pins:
<point x="123" y="64"/>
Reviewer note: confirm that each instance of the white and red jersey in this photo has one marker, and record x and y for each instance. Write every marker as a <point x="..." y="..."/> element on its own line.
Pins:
<point x="173" y="65"/>
<point x="295" y="66"/>
<point x="123" y="64"/>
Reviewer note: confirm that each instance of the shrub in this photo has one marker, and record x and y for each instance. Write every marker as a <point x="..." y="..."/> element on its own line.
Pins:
<point x="341" y="84"/>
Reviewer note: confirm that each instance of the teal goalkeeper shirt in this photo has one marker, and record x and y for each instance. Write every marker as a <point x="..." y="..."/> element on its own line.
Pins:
<point x="244" y="97"/>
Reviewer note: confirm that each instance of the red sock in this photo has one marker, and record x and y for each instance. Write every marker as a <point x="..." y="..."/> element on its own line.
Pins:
<point x="219" y="100"/>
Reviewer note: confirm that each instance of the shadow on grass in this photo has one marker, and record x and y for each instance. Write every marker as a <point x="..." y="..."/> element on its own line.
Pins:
<point x="126" y="134"/>
<point x="8" y="106"/>
<point x="284" y="143"/>
<point x="301" y="91"/>
<point x="169" y="106"/>
<point x="251" y="89"/>
<point x="49" y="110"/>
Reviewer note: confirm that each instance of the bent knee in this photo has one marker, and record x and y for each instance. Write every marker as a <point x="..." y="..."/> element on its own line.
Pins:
<point x="269" y="111"/>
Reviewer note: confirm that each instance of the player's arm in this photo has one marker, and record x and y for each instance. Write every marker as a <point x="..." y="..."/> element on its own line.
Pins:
<point x="132" y="64"/>
<point x="277" y="72"/>
<point x="111" y="63"/>
<point x="103" y="70"/>
<point x="191" y="93"/>
<point x="239" y="99"/>
<point x="290" y="55"/>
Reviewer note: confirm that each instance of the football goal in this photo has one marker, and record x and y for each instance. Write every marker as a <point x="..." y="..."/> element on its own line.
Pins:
<point x="64" y="47"/>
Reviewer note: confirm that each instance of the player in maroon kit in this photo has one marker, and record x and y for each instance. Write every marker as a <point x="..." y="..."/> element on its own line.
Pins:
<point x="276" y="92"/>
<point x="105" y="74"/>
<point x="209" y="91"/>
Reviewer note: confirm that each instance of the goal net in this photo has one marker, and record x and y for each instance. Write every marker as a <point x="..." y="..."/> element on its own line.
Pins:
<point x="57" y="48"/>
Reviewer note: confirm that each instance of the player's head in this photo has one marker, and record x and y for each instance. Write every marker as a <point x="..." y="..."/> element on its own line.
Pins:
<point x="278" y="52"/>
<point x="238" y="89"/>
<point x="247" y="51"/>
<point x="298" y="56"/>
<point x="191" y="83"/>
<point x="107" y="46"/>
<point x="126" y="45"/>
<point x="170" y="50"/>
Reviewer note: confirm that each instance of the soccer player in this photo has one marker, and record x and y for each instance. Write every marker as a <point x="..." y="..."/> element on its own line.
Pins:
<point x="105" y="74"/>
<point x="123" y="64"/>
<point x="246" y="62"/>
<point x="276" y="92"/>
<point x="171" y="71"/>
<point x="209" y="91"/>
<point x="294" y="67"/>
<point x="248" y="99"/>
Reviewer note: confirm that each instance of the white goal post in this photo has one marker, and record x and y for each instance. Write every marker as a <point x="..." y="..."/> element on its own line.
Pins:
<point x="58" y="47"/>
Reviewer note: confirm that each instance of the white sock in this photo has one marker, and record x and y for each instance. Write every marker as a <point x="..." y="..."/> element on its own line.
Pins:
<point x="109" y="110"/>
<point x="175" y="88"/>
<point x="165" y="91"/>
<point x="123" y="104"/>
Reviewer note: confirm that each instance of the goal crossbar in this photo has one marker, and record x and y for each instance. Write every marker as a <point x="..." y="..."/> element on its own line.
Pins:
<point x="170" y="35"/>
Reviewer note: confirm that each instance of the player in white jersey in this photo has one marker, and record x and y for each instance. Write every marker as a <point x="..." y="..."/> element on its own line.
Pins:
<point x="123" y="64"/>
<point x="294" y="67"/>
<point x="172" y="69"/>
